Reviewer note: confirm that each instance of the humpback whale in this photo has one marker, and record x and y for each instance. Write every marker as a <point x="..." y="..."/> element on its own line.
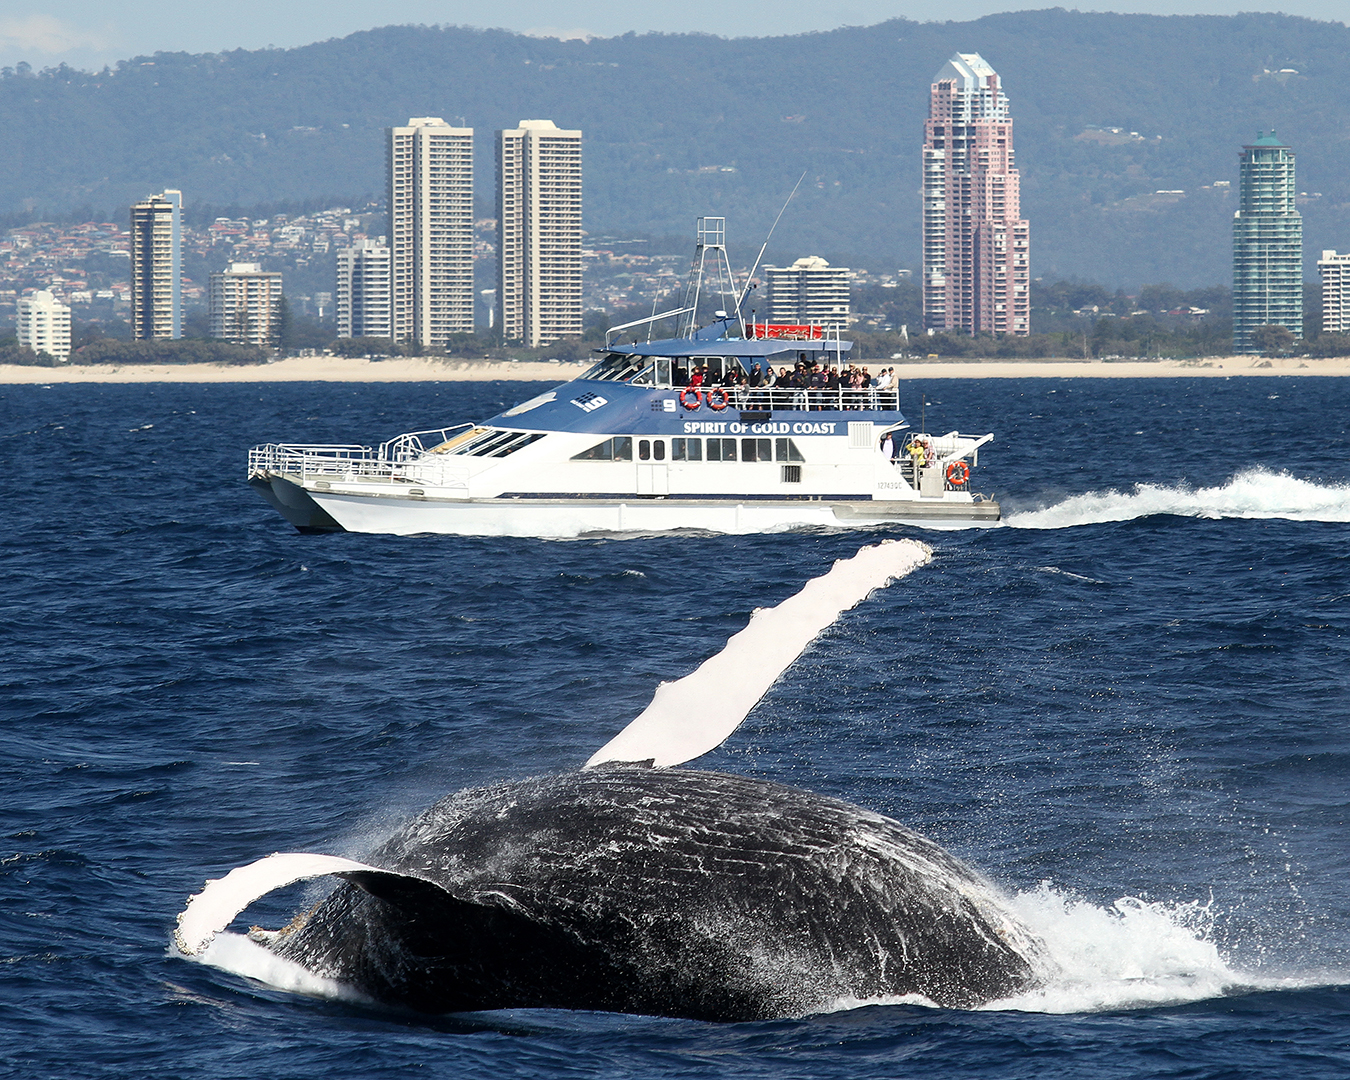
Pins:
<point x="633" y="885"/>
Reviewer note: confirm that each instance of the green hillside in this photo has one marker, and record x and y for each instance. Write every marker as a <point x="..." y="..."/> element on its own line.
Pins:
<point x="682" y="125"/>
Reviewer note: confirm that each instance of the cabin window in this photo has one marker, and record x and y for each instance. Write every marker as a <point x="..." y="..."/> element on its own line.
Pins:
<point x="721" y="449"/>
<point x="646" y="377"/>
<point x="617" y="367"/>
<point x="510" y="446"/>
<point x="663" y="371"/>
<point x="686" y="449"/>
<point x="786" y="450"/>
<point x="659" y="449"/>
<point x="756" y="449"/>
<point x="619" y="448"/>
<point x="644" y="450"/>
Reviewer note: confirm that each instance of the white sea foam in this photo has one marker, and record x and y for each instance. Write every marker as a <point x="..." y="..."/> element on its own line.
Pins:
<point x="1252" y="493"/>
<point x="1129" y="954"/>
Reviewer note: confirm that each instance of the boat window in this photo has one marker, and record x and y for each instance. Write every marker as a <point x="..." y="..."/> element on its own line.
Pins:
<point x="488" y="442"/>
<point x="644" y="450"/>
<point x="756" y="449"/>
<point x="522" y="440"/>
<point x="686" y="449"/>
<point x="659" y="449"/>
<point x="721" y="449"/>
<point x="663" y="371"/>
<point x="646" y="377"/>
<point x="487" y="446"/>
<point x="617" y="367"/>
<point x="786" y="450"/>
<point x="619" y="448"/>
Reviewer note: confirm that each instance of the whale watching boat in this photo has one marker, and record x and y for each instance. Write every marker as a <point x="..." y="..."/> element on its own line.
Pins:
<point x="729" y="427"/>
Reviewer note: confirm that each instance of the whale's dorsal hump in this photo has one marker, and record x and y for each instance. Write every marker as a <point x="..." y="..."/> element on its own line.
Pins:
<point x="693" y="715"/>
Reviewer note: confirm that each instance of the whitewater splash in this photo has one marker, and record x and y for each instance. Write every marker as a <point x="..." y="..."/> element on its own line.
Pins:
<point x="1252" y="493"/>
<point x="1132" y="954"/>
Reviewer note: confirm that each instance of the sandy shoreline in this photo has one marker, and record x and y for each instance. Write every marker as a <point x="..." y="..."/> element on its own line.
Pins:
<point x="337" y="369"/>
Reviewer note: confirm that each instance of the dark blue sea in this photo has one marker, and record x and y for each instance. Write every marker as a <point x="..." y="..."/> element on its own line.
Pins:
<point x="1129" y="706"/>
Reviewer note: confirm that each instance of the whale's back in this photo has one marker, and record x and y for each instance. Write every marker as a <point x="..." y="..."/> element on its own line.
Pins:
<point x="663" y="891"/>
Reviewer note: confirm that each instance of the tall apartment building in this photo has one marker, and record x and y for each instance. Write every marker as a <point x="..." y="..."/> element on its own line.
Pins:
<point x="157" y="267"/>
<point x="362" y="297"/>
<point x="538" y="233"/>
<point x="1267" y="244"/>
<point x="809" y="291"/>
<point x="430" y="174"/>
<point x="244" y="302"/>
<point x="976" y="274"/>
<point x="43" y="325"/>
<point x="1335" y="271"/>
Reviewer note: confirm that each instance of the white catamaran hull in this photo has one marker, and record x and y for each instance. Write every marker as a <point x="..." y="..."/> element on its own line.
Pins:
<point x="570" y="517"/>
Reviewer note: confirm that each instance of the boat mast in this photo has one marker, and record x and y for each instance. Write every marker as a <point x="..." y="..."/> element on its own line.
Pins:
<point x="712" y="235"/>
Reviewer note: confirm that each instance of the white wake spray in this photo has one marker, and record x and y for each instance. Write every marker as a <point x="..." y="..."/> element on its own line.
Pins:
<point x="1252" y="493"/>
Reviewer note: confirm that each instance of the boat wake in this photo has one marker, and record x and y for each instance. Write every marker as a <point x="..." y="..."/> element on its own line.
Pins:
<point x="1252" y="493"/>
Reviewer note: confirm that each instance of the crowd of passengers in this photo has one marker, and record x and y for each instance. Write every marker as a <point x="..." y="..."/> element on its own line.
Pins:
<point x="805" y="377"/>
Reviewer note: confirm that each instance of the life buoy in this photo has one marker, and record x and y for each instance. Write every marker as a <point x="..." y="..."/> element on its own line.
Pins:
<point x="718" y="403"/>
<point x="958" y="472"/>
<point x="689" y="398"/>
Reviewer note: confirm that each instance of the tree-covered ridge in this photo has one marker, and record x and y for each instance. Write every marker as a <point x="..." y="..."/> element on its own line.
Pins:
<point x="682" y="125"/>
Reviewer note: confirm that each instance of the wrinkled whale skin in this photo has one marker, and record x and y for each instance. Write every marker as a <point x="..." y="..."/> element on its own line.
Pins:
<point x="663" y="892"/>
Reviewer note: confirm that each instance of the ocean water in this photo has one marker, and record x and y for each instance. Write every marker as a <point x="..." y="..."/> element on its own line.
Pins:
<point x="1129" y="706"/>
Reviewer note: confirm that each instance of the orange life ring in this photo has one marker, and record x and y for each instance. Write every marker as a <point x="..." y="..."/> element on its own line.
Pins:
<point x="686" y="402"/>
<point x="958" y="472"/>
<point x="717" y="405"/>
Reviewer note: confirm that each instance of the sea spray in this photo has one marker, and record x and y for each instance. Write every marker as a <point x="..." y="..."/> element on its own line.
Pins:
<point x="1253" y="493"/>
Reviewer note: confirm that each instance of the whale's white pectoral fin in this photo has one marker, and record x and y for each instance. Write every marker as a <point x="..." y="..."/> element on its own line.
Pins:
<point x="211" y="910"/>
<point x="693" y="715"/>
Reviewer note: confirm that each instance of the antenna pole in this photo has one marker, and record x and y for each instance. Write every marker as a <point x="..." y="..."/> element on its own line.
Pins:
<point x="741" y="299"/>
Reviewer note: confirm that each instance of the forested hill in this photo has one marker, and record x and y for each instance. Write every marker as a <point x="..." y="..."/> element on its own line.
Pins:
<point x="682" y="125"/>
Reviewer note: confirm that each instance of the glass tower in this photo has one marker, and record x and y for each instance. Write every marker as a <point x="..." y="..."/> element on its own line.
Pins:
<point x="976" y="278"/>
<point x="1267" y="244"/>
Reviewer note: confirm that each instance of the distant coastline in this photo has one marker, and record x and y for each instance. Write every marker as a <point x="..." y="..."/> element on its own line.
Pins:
<point x="418" y="369"/>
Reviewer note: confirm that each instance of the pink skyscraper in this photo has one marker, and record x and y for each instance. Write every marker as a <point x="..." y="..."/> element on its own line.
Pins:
<point x="975" y="242"/>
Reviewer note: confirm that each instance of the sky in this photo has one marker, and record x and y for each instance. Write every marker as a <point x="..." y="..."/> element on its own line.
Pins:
<point x="90" y="33"/>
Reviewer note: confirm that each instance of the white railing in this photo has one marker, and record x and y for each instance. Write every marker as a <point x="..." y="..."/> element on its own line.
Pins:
<point x="787" y="399"/>
<point x="356" y="464"/>
<point x="413" y="444"/>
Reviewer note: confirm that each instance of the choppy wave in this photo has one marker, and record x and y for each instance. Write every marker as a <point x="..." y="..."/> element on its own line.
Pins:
<point x="1252" y="493"/>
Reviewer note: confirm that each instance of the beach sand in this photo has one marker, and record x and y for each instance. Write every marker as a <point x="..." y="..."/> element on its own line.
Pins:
<point x="407" y="369"/>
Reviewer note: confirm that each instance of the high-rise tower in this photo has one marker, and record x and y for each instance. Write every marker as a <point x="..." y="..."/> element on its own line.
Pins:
<point x="430" y="172"/>
<point x="976" y="276"/>
<point x="1267" y="244"/>
<point x="538" y="233"/>
<point x="362" y="297"/>
<point x="157" y="267"/>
